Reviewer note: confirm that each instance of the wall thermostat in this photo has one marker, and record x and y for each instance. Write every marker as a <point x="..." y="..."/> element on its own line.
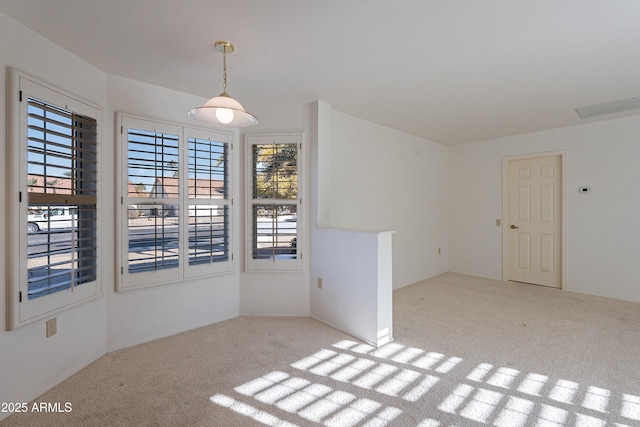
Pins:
<point x="584" y="190"/>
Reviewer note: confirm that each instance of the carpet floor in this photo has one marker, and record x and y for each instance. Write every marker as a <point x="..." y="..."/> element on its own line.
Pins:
<point x="467" y="352"/>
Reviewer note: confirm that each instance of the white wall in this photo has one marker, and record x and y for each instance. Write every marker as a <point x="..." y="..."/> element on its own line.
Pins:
<point x="603" y="230"/>
<point x="356" y="294"/>
<point x="278" y="293"/>
<point x="355" y="266"/>
<point x="30" y="363"/>
<point x="383" y="179"/>
<point x="368" y="177"/>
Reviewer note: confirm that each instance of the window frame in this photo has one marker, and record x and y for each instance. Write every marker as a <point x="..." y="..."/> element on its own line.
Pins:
<point x="274" y="264"/>
<point x="21" y="309"/>
<point x="184" y="271"/>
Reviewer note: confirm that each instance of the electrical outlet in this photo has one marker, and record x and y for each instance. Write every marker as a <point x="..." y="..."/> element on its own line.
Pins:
<point x="498" y="222"/>
<point x="52" y="327"/>
<point x="319" y="282"/>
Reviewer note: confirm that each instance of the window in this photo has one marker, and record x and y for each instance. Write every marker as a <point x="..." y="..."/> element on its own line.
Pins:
<point x="175" y="216"/>
<point x="275" y="202"/>
<point x="54" y="164"/>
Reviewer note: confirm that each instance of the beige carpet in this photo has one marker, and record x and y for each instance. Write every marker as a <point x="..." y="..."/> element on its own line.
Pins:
<point x="467" y="352"/>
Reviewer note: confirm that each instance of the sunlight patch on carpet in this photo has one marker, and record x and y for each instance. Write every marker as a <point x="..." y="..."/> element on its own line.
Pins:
<point x="486" y="394"/>
<point x="630" y="407"/>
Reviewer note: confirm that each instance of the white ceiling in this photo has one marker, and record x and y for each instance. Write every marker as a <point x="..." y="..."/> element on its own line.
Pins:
<point x="451" y="71"/>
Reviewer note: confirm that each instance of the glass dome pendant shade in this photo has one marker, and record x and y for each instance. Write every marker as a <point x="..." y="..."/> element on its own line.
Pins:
<point x="224" y="111"/>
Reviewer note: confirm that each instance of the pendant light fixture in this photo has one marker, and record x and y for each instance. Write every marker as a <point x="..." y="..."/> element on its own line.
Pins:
<point x="224" y="111"/>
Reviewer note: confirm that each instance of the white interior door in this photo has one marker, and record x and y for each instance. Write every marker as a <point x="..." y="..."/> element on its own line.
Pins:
<point x="535" y="220"/>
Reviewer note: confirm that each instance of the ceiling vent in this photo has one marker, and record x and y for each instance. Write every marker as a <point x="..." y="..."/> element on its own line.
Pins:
<point x="609" y="107"/>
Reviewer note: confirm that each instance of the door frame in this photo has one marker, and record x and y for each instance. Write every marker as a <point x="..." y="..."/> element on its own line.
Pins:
<point x="505" y="210"/>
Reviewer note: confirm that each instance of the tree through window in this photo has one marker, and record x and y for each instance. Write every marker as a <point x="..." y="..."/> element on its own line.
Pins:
<point x="275" y="200"/>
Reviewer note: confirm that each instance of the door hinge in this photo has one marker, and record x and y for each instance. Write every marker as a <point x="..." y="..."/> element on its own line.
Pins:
<point x="19" y="196"/>
<point x="121" y="130"/>
<point x="231" y="257"/>
<point x="121" y="200"/>
<point x="20" y="95"/>
<point x="20" y="296"/>
<point x="121" y="270"/>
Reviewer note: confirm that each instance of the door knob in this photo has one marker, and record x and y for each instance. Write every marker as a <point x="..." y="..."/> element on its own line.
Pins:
<point x="513" y="227"/>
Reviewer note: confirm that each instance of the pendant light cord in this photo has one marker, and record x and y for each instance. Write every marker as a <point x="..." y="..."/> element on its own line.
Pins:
<point x="224" y="68"/>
